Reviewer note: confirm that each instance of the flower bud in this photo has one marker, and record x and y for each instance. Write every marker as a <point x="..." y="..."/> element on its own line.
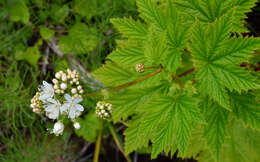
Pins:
<point x="58" y="128"/>
<point x="74" y="90"/>
<point x="79" y="87"/>
<point x="104" y="109"/>
<point x="63" y="86"/>
<point x="63" y="77"/>
<point x="58" y="75"/>
<point x="76" y="125"/>
<point x="139" y="67"/>
<point x="55" y="81"/>
<point x="55" y="86"/>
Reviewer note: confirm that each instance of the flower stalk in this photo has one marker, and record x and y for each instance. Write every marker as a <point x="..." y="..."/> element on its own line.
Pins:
<point x="98" y="144"/>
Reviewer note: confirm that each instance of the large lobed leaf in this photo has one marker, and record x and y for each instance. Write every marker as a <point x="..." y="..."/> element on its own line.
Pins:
<point x="216" y="62"/>
<point x="167" y="122"/>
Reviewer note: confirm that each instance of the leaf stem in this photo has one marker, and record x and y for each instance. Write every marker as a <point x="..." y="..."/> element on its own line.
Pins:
<point x="126" y="84"/>
<point x="178" y="81"/>
<point x="118" y="141"/>
<point x="98" y="144"/>
<point x="186" y="73"/>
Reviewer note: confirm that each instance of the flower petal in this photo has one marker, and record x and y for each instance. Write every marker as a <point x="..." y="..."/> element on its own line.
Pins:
<point x="51" y="100"/>
<point x="79" y="107"/>
<point x="49" y="108"/>
<point x="67" y="97"/>
<point x="64" y="107"/>
<point x="72" y="114"/>
<point x="77" y="100"/>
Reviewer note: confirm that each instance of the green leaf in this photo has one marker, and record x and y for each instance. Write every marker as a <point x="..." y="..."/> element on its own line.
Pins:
<point x="125" y="103"/>
<point x="18" y="11"/>
<point x="207" y="11"/>
<point x="236" y="50"/>
<point x="215" y="130"/>
<point x="156" y="46"/>
<point x="85" y="8"/>
<point x="132" y="133"/>
<point x="215" y="76"/>
<point x="211" y="86"/>
<point x="177" y="38"/>
<point x="130" y="28"/>
<point x="59" y="13"/>
<point x="32" y="55"/>
<point x="234" y="78"/>
<point x="150" y="13"/>
<point x="80" y="40"/>
<point x="207" y="40"/>
<point x="90" y="126"/>
<point x="246" y="107"/>
<point x="241" y="145"/>
<point x="128" y="56"/>
<point x="111" y="74"/>
<point x="46" y="33"/>
<point x="167" y="121"/>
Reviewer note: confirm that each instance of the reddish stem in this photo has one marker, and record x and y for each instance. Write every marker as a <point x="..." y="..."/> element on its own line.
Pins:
<point x="186" y="72"/>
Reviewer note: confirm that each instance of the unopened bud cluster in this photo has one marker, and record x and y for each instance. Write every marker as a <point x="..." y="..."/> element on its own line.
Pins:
<point x="36" y="104"/>
<point x="61" y="100"/>
<point x="139" y="68"/>
<point x="68" y="82"/>
<point x="104" y="109"/>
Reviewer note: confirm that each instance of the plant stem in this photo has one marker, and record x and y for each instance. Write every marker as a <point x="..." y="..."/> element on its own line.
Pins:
<point x="186" y="73"/>
<point x="98" y="144"/>
<point x="118" y="142"/>
<point x="126" y="84"/>
<point x="178" y="81"/>
<point x="135" y="81"/>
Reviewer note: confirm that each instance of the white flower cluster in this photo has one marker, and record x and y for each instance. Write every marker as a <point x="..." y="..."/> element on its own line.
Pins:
<point x="36" y="104"/>
<point x="104" y="109"/>
<point x="67" y="81"/>
<point x="56" y="101"/>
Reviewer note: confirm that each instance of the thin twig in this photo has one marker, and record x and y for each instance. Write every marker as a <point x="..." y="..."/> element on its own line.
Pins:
<point x="55" y="47"/>
<point x="45" y="61"/>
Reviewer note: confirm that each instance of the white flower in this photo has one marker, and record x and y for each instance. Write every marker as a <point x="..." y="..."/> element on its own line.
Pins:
<point x="63" y="86"/>
<point x="46" y="91"/>
<point x="76" y="125"/>
<point x="58" y="128"/>
<point x="63" y="77"/>
<point x="81" y="91"/>
<point x="55" y="81"/>
<point x="72" y="107"/>
<point x="74" y="90"/>
<point x="52" y="108"/>
<point x="79" y="87"/>
<point x="58" y="75"/>
<point x="69" y="71"/>
<point x="56" y="86"/>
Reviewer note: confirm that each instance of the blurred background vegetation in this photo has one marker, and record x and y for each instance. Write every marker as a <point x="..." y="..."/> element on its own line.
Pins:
<point x="40" y="37"/>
